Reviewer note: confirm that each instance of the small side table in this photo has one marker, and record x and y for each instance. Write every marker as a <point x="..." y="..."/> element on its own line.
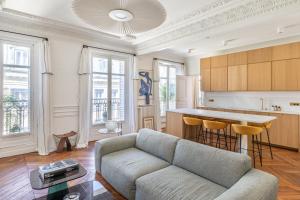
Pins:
<point x="64" y="138"/>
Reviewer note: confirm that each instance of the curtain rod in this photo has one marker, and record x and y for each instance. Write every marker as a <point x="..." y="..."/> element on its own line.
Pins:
<point x="168" y="61"/>
<point x="44" y="38"/>
<point x="86" y="46"/>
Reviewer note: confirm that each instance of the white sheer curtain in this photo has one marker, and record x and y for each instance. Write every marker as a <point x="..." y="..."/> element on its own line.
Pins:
<point x="84" y="98"/>
<point x="132" y="95"/>
<point x="42" y="97"/>
<point x="156" y="79"/>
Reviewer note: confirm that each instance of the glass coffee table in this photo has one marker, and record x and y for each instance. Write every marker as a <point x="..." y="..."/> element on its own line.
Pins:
<point x="58" y="188"/>
<point x="91" y="190"/>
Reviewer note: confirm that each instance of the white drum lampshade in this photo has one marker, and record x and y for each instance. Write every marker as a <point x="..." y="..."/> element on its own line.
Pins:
<point x="121" y="17"/>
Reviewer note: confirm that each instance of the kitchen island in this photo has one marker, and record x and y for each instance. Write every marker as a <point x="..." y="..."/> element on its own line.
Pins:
<point x="175" y="125"/>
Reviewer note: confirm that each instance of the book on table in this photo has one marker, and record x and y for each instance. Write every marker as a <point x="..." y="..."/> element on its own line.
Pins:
<point x="57" y="168"/>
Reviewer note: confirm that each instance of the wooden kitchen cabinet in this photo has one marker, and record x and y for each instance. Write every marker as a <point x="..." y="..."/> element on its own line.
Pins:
<point x="218" y="73"/>
<point x="239" y="58"/>
<point x="285" y="75"/>
<point x="260" y="55"/>
<point x="218" y="61"/>
<point x="285" y="130"/>
<point x="237" y="78"/>
<point x="205" y="63"/>
<point x="286" y="51"/>
<point x="218" y="79"/>
<point x="205" y="74"/>
<point x="174" y="124"/>
<point x="259" y="77"/>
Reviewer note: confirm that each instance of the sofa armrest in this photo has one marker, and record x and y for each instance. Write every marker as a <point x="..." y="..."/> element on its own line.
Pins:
<point x="110" y="145"/>
<point x="254" y="185"/>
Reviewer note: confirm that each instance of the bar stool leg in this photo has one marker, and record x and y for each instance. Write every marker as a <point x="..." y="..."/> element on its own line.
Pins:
<point x="225" y="135"/>
<point x="218" y="139"/>
<point x="270" y="147"/>
<point x="253" y="153"/>
<point x="259" y="150"/>
<point x="230" y="137"/>
<point x="234" y="147"/>
<point x="240" y="143"/>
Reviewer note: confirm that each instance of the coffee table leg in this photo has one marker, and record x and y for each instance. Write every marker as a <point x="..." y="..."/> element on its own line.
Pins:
<point x="58" y="187"/>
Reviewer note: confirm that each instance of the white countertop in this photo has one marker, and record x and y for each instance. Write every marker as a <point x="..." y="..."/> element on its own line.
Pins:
<point x="225" y="115"/>
<point x="254" y="110"/>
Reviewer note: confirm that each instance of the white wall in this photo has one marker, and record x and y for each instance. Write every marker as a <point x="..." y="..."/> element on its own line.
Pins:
<point x="192" y="65"/>
<point x="251" y="100"/>
<point x="65" y="54"/>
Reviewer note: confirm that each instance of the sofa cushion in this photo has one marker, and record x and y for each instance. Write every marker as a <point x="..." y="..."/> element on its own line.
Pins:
<point x="176" y="184"/>
<point x="156" y="143"/>
<point x="122" y="168"/>
<point x="220" y="166"/>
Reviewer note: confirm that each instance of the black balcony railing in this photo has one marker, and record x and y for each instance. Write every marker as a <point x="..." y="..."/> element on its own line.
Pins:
<point x="15" y="116"/>
<point x="100" y="109"/>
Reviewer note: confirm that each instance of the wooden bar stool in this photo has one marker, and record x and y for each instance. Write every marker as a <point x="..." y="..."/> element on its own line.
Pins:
<point x="267" y="126"/>
<point x="217" y="126"/>
<point x="190" y="123"/>
<point x="229" y="124"/>
<point x="249" y="131"/>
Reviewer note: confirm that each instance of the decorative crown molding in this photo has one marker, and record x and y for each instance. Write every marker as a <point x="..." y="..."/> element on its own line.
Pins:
<point x="15" y="20"/>
<point x="236" y="13"/>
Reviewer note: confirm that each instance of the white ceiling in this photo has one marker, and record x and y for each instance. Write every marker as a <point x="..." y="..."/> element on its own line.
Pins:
<point x="202" y="25"/>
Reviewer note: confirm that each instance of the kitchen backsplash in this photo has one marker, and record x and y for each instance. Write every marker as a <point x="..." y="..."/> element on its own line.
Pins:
<point x="252" y="100"/>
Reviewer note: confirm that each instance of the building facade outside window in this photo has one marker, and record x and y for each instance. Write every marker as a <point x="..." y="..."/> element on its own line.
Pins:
<point x="167" y="87"/>
<point x="15" y="81"/>
<point x="108" y="88"/>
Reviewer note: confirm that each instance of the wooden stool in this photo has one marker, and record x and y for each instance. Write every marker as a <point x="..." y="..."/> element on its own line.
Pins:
<point x="194" y="123"/>
<point x="64" y="138"/>
<point x="218" y="126"/>
<point x="249" y="131"/>
<point x="267" y="127"/>
<point x="229" y="124"/>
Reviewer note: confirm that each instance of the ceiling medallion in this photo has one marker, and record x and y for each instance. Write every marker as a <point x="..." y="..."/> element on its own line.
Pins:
<point x="121" y="17"/>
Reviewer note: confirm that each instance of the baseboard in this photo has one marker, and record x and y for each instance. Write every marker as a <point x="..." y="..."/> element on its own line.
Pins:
<point x="12" y="151"/>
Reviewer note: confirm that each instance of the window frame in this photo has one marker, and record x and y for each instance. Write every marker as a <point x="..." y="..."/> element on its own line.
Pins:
<point x="109" y="73"/>
<point x="168" y="66"/>
<point x="29" y="45"/>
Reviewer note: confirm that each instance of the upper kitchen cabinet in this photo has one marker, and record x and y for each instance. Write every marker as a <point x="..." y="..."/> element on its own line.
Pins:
<point x="259" y="77"/>
<point x="260" y="55"/>
<point x="239" y="58"/>
<point x="286" y="51"/>
<point x="219" y="61"/>
<point x="205" y="74"/>
<point x="219" y="79"/>
<point x="237" y="78"/>
<point x="218" y="76"/>
<point x="285" y="75"/>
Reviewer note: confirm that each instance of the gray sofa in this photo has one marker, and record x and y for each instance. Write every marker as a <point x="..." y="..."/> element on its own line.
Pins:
<point x="156" y="166"/>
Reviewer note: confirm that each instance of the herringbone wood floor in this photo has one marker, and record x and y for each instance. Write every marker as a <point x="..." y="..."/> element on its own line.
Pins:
<point x="14" y="172"/>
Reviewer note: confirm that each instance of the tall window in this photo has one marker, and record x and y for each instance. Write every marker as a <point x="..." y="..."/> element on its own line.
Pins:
<point x="15" y="89"/>
<point x="167" y="87"/>
<point x="108" y="88"/>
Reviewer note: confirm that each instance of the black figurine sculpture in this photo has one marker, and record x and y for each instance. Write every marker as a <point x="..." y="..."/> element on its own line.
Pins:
<point x="146" y="86"/>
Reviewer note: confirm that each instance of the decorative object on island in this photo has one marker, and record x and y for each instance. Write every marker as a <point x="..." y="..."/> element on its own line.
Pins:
<point x="146" y="86"/>
<point x="64" y="138"/>
<point x="148" y="122"/>
<point x="112" y="127"/>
